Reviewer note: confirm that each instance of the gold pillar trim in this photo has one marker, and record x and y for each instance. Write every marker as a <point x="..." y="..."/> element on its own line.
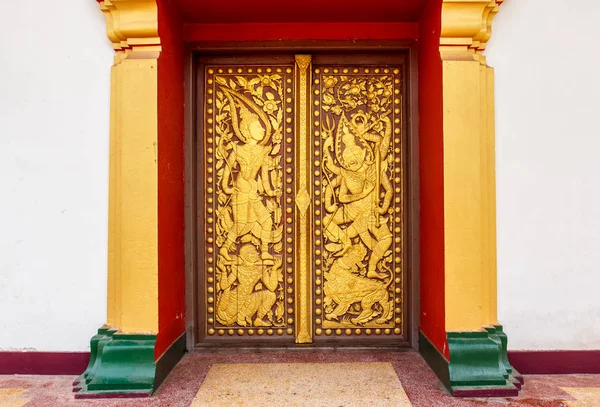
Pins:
<point x="132" y="25"/>
<point x="303" y="262"/>
<point x="466" y="28"/>
<point x="469" y="165"/>
<point x="132" y="297"/>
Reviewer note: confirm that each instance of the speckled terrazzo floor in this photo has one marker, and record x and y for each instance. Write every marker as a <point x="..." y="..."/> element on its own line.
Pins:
<point x="417" y="380"/>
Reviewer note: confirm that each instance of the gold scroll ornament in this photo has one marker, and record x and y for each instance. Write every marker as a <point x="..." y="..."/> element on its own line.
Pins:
<point x="358" y="200"/>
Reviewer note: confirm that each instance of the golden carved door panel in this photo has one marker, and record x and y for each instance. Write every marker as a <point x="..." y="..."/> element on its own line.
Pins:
<point x="249" y="193"/>
<point x="358" y="205"/>
<point x="300" y="191"/>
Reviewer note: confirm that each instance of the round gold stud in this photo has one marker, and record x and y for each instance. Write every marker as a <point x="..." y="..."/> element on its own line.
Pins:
<point x="338" y="331"/>
<point x="211" y="331"/>
<point x="318" y="331"/>
<point x="328" y="332"/>
<point x="230" y="332"/>
<point x="221" y="332"/>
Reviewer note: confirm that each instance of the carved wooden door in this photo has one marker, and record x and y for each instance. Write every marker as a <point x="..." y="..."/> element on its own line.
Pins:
<point x="301" y="200"/>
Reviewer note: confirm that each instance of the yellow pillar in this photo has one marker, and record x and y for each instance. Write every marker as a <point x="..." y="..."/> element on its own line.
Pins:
<point x="132" y="26"/>
<point x="469" y="165"/>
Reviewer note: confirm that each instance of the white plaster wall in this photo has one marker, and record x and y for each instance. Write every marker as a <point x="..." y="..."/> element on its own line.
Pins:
<point x="545" y="54"/>
<point x="54" y="127"/>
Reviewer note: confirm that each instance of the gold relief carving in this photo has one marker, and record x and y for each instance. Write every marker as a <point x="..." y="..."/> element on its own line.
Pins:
<point x="249" y="207"/>
<point x="358" y="178"/>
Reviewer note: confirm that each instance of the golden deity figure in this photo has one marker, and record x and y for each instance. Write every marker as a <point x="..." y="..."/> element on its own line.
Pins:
<point x="247" y="286"/>
<point x="354" y="200"/>
<point x="344" y="286"/>
<point x="247" y="178"/>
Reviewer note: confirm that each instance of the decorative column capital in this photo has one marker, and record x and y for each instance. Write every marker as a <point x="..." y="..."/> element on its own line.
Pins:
<point x="132" y="27"/>
<point x="466" y="28"/>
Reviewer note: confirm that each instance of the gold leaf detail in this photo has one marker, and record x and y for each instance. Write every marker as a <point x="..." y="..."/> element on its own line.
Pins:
<point x="303" y="200"/>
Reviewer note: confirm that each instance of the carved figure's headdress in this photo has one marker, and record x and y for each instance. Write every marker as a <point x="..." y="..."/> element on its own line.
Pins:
<point x="248" y="112"/>
<point x="350" y="145"/>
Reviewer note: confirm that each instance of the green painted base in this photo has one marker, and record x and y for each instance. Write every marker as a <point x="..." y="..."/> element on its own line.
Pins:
<point x="478" y="365"/>
<point x="121" y="365"/>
